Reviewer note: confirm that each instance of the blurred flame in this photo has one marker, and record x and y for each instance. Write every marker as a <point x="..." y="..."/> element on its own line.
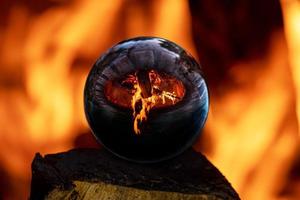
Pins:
<point x="250" y="125"/>
<point x="252" y="128"/>
<point x="291" y="16"/>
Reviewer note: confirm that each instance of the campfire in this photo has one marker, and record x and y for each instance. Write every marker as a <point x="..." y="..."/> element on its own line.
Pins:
<point x="47" y="49"/>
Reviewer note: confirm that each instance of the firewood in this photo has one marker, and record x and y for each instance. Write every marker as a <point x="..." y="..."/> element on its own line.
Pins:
<point x="98" y="174"/>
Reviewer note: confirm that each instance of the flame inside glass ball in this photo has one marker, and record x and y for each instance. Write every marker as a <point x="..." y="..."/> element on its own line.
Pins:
<point x="146" y="100"/>
<point x="143" y="91"/>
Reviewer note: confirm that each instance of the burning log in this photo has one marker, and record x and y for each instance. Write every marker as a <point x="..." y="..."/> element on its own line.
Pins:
<point x="97" y="174"/>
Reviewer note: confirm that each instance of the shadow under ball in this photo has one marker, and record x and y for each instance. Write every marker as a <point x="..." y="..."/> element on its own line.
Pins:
<point x="146" y="100"/>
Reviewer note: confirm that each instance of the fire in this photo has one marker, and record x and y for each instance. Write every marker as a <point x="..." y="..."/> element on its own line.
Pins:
<point x="291" y="14"/>
<point x="143" y="91"/>
<point x="145" y="103"/>
<point x="46" y="51"/>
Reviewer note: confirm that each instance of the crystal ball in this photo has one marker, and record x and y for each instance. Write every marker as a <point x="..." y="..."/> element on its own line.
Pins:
<point x="146" y="100"/>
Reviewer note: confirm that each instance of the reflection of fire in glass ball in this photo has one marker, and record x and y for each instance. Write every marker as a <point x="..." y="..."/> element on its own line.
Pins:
<point x="145" y="99"/>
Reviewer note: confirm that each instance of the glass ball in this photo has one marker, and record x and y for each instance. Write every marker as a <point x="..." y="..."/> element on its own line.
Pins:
<point x="145" y="99"/>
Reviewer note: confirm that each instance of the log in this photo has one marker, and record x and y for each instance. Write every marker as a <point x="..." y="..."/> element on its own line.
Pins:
<point x="98" y="174"/>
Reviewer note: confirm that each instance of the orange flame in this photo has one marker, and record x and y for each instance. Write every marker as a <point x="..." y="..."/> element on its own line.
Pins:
<point x="45" y="55"/>
<point x="46" y="51"/>
<point x="291" y="17"/>
<point x="147" y="103"/>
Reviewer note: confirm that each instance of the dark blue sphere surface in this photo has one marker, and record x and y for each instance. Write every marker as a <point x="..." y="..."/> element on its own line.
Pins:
<point x="145" y="99"/>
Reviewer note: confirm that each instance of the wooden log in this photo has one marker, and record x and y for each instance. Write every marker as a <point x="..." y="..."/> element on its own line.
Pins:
<point x="97" y="174"/>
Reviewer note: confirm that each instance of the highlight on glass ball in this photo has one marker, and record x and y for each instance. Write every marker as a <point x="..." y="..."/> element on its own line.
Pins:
<point x="145" y="99"/>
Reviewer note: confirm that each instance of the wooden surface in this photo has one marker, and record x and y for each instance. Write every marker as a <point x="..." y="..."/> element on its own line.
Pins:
<point x="97" y="174"/>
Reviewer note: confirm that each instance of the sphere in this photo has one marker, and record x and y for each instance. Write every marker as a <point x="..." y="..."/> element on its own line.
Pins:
<point x="145" y="99"/>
